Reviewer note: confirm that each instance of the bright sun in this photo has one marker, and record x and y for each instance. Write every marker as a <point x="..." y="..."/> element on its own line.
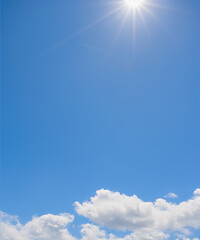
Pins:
<point x="134" y="4"/>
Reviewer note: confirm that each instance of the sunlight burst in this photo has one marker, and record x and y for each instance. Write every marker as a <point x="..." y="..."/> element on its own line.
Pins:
<point x="134" y="4"/>
<point x="133" y="10"/>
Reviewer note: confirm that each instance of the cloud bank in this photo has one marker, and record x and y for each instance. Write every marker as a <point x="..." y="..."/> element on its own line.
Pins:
<point x="157" y="220"/>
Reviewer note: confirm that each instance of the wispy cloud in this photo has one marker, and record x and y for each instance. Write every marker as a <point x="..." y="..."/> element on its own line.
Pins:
<point x="171" y="195"/>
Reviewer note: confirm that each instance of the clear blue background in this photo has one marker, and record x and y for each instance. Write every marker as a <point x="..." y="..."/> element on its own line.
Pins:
<point x="80" y="116"/>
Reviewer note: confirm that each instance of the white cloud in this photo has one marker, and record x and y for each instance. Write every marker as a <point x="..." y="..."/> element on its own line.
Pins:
<point x="46" y="227"/>
<point x="171" y="195"/>
<point x="92" y="232"/>
<point x="121" y="212"/>
<point x="147" y="236"/>
<point x="159" y="220"/>
<point x="197" y="191"/>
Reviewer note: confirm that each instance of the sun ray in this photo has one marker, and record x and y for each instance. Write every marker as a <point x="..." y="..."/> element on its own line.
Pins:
<point x="160" y="6"/>
<point x="96" y="48"/>
<point x="83" y="29"/>
<point x="145" y="9"/>
<point x="137" y="8"/>
<point x="143" y="21"/>
<point x="121" y="27"/>
<point x="134" y="28"/>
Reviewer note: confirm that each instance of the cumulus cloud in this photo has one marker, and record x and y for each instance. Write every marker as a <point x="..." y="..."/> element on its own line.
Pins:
<point x="197" y="191"/>
<point x="121" y="212"/>
<point x="91" y="232"/>
<point x="158" y="220"/>
<point x="46" y="227"/>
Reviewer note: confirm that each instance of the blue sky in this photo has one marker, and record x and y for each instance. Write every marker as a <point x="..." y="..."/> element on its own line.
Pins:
<point x="82" y="112"/>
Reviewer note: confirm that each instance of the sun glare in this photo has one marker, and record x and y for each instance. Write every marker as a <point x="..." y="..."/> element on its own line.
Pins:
<point x="134" y="4"/>
<point x="132" y="10"/>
